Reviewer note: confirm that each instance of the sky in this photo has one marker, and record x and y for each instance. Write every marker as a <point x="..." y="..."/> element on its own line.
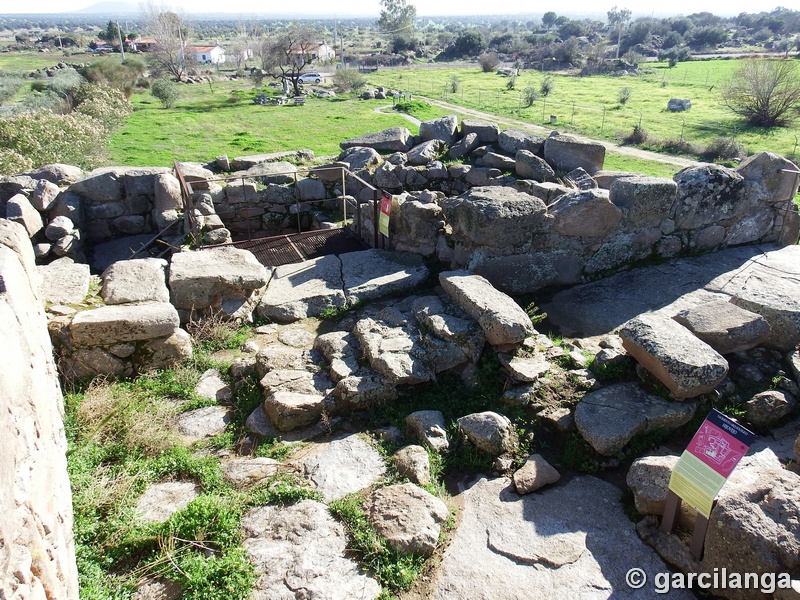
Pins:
<point x="424" y="7"/>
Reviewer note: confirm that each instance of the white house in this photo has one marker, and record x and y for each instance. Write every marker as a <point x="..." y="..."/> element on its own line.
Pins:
<point x="205" y="55"/>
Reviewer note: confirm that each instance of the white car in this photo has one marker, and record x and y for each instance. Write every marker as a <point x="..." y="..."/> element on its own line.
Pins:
<point x="310" y="78"/>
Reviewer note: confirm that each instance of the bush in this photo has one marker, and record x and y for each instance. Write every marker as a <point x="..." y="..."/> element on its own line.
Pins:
<point x="531" y="95"/>
<point x="637" y="136"/>
<point x="9" y="85"/>
<point x="66" y="82"/>
<point x="166" y="91"/>
<point x="12" y="162"/>
<point x="724" y="148"/>
<point x="546" y="87"/>
<point x="453" y="84"/>
<point x="764" y="91"/>
<point x="348" y="80"/>
<point x="124" y="76"/>
<point x="624" y="95"/>
<point x="511" y="83"/>
<point x="488" y="61"/>
<point x="108" y="106"/>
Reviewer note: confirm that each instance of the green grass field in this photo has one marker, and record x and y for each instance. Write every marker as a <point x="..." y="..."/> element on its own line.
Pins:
<point x="204" y="124"/>
<point x="590" y="105"/>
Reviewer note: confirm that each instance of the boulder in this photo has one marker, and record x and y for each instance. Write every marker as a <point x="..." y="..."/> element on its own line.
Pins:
<point x="292" y="410"/>
<point x="69" y="204"/>
<point x="648" y="480"/>
<point x="64" y="282"/>
<point x="57" y="173"/>
<point x="525" y="273"/>
<point x="534" y="474"/>
<point x="605" y="178"/>
<point x="344" y="466"/>
<point x="393" y="349"/>
<point x="394" y="139"/>
<point x="58" y="228"/>
<point x="413" y="462"/>
<point x="565" y="153"/>
<point x="372" y="274"/>
<point x="686" y="365"/>
<point x="358" y="158"/>
<point x="646" y="201"/>
<point x="361" y="391"/>
<point x="708" y="194"/>
<point x="20" y="210"/>
<point x="524" y="369"/>
<point x="769" y="408"/>
<point x="105" y="184"/>
<point x="225" y="279"/>
<point x="168" y="352"/>
<point x="301" y="290"/>
<point x="579" y="179"/>
<point x="167" y="193"/>
<point x="139" y="280"/>
<point x="123" y="323"/>
<point x="428" y="428"/>
<point x="443" y="128"/>
<point x="766" y="178"/>
<point x="241" y="191"/>
<point x="778" y="303"/>
<point x="278" y="173"/>
<point x="495" y="216"/>
<point x="530" y="166"/>
<point x="503" y="321"/>
<point x="587" y="213"/>
<point x="196" y="175"/>
<point x="610" y="417"/>
<point x="512" y="141"/>
<point x="160" y="500"/>
<point x="724" y="326"/>
<point x="211" y="386"/>
<point x="309" y="188"/>
<point x="407" y="517"/>
<point x="242" y="163"/>
<point x="204" y="422"/>
<point x="44" y="195"/>
<point x="486" y="131"/>
<point x="679" y="104"/>
<point x="423" y="153"/>
<point x="489" y="431"/>
<point x="302" y="547"/>
<point x="493" y="160"/>
<point x="464" y="146"/>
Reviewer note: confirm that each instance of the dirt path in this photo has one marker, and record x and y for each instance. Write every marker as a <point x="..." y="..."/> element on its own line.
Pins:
<point x="537" y="129"/>
<point x="406" y="116"/>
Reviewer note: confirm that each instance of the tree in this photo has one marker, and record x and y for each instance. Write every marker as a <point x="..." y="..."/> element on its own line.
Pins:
<point x="287" y="53"/>
<point x="166" y="91"/>
<point x="764" y="91"/>
<point x="617" y="18"/>
<point x="170" y="33"/>
<point x="549" y="19"/>
<point x="488" y="61"/>
<point x="112" y="34"/>
<point x="397" y="15"/>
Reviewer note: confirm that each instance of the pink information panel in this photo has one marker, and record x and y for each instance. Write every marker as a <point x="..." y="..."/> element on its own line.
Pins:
<point x="720" y="443"/>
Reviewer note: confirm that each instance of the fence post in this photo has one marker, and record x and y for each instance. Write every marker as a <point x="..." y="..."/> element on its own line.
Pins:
<point x="544" y="105"/>
<point x="603" y="122"/>
<point x="572" y="117"/>
<point x="498" y="101"/>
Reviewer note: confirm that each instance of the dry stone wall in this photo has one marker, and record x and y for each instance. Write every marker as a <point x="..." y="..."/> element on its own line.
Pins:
<point x="37" y="554"/>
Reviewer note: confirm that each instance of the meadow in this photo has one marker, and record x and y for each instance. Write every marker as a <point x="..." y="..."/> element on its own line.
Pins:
<point x="591" y="106"/>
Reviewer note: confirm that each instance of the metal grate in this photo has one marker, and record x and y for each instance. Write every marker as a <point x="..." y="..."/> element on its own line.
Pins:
<point x="297" y="247"/>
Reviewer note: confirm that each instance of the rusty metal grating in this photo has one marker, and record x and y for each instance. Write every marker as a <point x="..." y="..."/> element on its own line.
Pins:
<point x="297" y="247"/>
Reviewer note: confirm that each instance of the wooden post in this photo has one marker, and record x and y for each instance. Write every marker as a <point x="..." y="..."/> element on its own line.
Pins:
<point x="672" y="509"/>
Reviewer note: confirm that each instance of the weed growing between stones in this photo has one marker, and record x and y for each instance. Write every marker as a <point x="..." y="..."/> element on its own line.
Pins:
<point x="216" y="333"/>
<point x="394" y="571"/>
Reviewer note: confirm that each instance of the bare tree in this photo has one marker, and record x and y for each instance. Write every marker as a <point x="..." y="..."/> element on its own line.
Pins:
<point x="171" y="34"/>
<point x="617" y="18"/>
<point x="286" y="53"/>
<point x="764" y="91"/>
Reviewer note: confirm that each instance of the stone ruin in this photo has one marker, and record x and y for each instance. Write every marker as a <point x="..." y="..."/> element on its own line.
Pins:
<point x="520" y="214"/>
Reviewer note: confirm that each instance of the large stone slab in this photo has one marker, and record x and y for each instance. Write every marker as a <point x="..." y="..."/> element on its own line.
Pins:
<point x="302" y="290"/>
<point x="394" y="139"/>
<point x="571" y="541"/>
<point x="223" y="279"/>
<point x="724" y="326"/>
<point x="344" y="466"/>
<point x="610" y="417"/>
<point x="302" y="547"/>
<point x="513" y="140"/>
<point x="503" y="321"/>
<point x="140" y="280"/>
<point x="20" y="210"/>
<point x="768" y="274"/>
<point x="587" y="213"/>
<point x="373" y="274"/>
<point x="646" y="201"/>
<point x="443" y="128"/>
<point x="708" y="194"/>
<point x="686" y="365"/>
<point x="123" y="323"/>
<point x="566" y="153"/>
<point x="64" y="281"/>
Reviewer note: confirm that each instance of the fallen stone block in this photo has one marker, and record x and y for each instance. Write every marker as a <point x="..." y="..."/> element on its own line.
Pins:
<point x="724" y="326"/>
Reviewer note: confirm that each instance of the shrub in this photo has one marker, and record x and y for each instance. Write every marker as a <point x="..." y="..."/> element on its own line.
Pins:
<point x="546" y="87"/>
<point x="107" y="105"/>
<point x="454" y="84"/>
<point x="531" y="95"/>
<point x="724" y="148"/>
<point x="511" y="83"/>
<point x="166" y="91"/>
<point x="348" y="80"/>
<point x="124" y="76"/>
<point x="66" y="82"/>
<point x="9" y="85"/>
<point x="764" y="91"/>
<point x="12" y="162"/>
<point x="624" y="95"/>
<point x="637" y="136"/>
<point x="488" y="61"/>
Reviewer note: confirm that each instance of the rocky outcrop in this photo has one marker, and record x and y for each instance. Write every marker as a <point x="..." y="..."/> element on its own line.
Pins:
<point x="36" y="541"/>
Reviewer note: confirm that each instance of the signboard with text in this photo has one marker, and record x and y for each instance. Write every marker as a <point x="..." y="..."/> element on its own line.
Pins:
<point x="386" y="212"/>
<point x="708" y="460"/>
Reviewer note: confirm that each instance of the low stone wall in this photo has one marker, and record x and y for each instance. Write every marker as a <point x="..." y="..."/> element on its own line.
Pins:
<point x="37" y="553"/>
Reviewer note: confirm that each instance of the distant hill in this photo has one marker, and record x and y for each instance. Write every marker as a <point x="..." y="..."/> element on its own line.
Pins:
<point x="109" y="8"/>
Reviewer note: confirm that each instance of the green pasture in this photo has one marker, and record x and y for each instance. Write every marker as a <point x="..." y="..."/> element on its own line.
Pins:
<point x="590" y="105"/>
<point x="206" y="122"/>
<point x="30" y="61"/>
